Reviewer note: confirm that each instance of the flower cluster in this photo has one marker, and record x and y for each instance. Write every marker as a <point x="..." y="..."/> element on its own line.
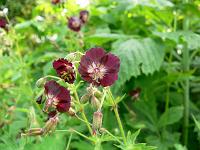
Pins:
<point x="96" y="67"/>
<point x="75" y="23"/>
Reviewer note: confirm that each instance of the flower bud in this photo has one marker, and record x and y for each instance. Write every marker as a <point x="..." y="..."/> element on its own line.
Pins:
<point x="85" y="98"/>
<point x="71" y="111"/>
<point x="55" y="1"/>
<point x="84" y="15"/>
<point x="34" y="132"/>
<point x="51" y="124"/>
<point x="40" y="82"/>
<point x="97" y="120"/>
<point x="97" y="94"/>
<point x="74" y="23"/>
<point x="95" y="102"/>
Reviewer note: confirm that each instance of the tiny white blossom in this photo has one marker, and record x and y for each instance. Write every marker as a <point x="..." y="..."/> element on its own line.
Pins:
<point x="5" y="11"/>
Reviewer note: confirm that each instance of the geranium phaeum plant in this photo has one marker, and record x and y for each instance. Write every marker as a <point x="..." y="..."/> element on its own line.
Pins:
<point x="98" y="68"/>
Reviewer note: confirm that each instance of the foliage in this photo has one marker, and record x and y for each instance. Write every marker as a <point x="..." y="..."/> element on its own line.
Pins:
<point x="149" y="37"/>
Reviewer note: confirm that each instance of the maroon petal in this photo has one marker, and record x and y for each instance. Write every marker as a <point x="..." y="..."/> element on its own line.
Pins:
<point x="111" y="62"/>
<point x="94" y="54"/>
<point x="52" y="88"/>
<point x="109" y="79"/>
<point x="62" y="107"/>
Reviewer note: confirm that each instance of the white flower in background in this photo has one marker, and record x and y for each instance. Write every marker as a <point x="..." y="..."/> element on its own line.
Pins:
<point x="52" y="38"/>
<point x="83" y="3"/>
<point x="39" y="18"/>
<point x="5" y="11"/>
<point x="64" y="11"/>
<point x="179" y="48"/>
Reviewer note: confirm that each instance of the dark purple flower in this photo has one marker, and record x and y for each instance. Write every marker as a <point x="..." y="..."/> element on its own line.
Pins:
<point x="3" y="23"/>
<point x="135" y="93"/>
<point x="84" y="15"/>
<point x="57" y="96"/>
<point x="99" y="68"/>
<point x="64" y="69"/>
<point x="55" y="1"/>
<point x="74" y="23"/>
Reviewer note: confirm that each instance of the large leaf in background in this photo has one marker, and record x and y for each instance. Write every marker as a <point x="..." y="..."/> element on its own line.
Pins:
<point x="138" y="56"/>
<point x="192" y="39"/>
<point x="101" y="38"/>
<point x="174" y="114"/>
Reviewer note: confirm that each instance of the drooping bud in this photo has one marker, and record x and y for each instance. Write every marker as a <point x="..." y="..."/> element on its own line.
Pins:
<point x="3" y="23"/>
<point x="85" y="98"/>
<point x="40" y="83"/>
<point x="74" y="23"/>
<point x="97" y="120"/>
<point x="51" y="124"/>
<point x="135" y="94"/>
<point x="55" y="1"/>
<point x="95" y="102"/>
<point x="84" y="15"/>
<point x="71" y="111"/>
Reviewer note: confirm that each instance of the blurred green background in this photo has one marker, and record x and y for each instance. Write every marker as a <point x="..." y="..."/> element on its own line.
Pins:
<point x="149" y="37"/>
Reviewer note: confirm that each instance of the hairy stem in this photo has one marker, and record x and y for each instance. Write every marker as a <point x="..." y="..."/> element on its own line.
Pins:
<point x="83" y="113"/>
<point x="118" y="117"/>
<point x="186" y="67"/>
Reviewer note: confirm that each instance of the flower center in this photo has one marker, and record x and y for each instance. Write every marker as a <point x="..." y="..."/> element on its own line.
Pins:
<point x="96" y="71"/>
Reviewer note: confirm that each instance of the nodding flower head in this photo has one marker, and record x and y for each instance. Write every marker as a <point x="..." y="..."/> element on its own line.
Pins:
<point x="99" y="68"/>
<point x="65" y="70"/>
<point x="74" y="23"/>
<point x="58" y="97"/>
<point x="55" y="1"/>
<point x="3" y="23"/>
<point x="84" y="15"/>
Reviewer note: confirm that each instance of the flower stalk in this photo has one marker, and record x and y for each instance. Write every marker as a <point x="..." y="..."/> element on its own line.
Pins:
<point x="186" y="68"/>
<point x="118" y="117"/>
<point x="83" y="112"/>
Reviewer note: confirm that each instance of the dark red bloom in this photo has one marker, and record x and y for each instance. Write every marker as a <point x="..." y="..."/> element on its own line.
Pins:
<point x="99" y="68"/>
<point x="135" y="93"/>
<point x="55" y="1"/>
<point x="84" y="15"/>
<point x="57" y="96"/>
<point x="3" y="23"/>
<point x="64" y="69"/>
<point x="74" y="23"/>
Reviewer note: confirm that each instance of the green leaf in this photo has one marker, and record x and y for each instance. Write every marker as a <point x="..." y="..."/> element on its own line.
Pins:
<point x="196" y="122"/>
<point x="174" y="114"/>
<point x="137" y="57"/>
<point x="101" y="38"/>
<point x="192" y="39"/>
